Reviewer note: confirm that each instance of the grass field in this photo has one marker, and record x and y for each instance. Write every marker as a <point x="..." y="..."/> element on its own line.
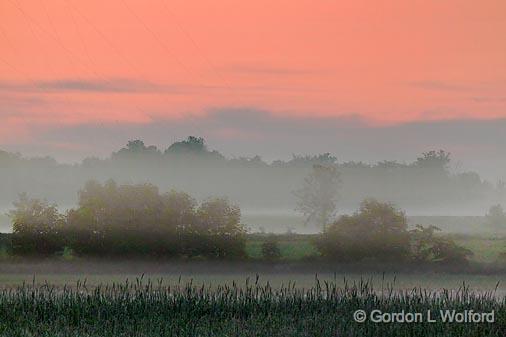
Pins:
<point x="296" y="247"/>
<point x="145" y="308"/>
<point x="486" y="250"/>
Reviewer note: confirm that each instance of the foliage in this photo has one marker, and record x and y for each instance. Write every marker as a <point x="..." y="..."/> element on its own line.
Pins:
<point x="193" y="146"/>
<point x="127" y="220"/>
<point x="270" y="248"/>
<point x="427" y="247"/>
<point x="195" y="167"/>
<point x="144" y="308"/>
<point x="377" y="230"/>
<point x="36" y="226"/>
<point x="216" y="231"/>
<point x="435" y="160"/>
<point x="318" y="196"/>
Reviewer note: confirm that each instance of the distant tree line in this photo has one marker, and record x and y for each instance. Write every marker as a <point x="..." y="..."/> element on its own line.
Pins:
<point x="189" y="165"/>
<point x="127" y="220"/>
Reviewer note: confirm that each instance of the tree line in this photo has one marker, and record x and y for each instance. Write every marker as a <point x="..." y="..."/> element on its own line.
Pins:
<point x="190" y="165"/>
<point x="114" y="220"/>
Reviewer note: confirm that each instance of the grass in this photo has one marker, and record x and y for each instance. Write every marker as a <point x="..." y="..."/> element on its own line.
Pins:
<point x="486" y="250"/>
<point x="291" y="250"/>
<point x="297" y="247"/>
<point x="251" y="309"/>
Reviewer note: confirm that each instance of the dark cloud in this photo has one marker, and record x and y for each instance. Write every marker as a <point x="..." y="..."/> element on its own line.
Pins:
<point x="100" y="86"/>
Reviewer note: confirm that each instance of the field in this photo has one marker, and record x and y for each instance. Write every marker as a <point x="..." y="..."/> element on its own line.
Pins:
<point x="486" y="249"/>
<point x="142" y="307"/>
<point x="296" y="295"/>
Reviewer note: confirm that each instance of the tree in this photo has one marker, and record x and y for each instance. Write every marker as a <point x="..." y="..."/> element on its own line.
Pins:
<point x="378" y="230"/>
<point x="135" y="148"/>
<point x="136" y="220"/>
<point x="436" y="160"/>
<point x="318" y="196"/>
<point x="422" y="243"/>
<point x="195" y="146"/>
<point x="217" y="231"/>
<point x="36" y="227"/>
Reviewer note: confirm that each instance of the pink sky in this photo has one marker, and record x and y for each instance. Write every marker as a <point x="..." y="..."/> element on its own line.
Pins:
<point x="67" y="62"/>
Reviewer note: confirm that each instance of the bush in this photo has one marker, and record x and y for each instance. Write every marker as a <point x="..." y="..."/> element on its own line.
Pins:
<point x="37" y="227"/>
<point x="125" y="220"/>
<point x="216" y="231"/>
<point x="427" y="247"/>
<point x="377" y="230"/>
<point x="270" y="248"/>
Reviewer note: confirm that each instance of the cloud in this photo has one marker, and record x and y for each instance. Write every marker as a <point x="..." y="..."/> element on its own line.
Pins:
<point x="440" y="85"/>
<point x="115" y="85"/>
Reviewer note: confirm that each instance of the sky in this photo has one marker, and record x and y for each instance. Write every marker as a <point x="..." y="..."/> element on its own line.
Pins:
<point x="361" y="79"/>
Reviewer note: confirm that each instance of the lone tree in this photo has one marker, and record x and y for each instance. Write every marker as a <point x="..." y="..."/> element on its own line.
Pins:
<point x="317" y="198"/>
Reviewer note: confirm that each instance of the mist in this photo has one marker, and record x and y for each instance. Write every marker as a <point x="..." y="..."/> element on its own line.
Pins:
<point x="427" y="186"/>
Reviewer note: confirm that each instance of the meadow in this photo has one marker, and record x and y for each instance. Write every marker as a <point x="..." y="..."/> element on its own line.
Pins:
<point x="295" y="294"/>
<point x="143" y="307"/>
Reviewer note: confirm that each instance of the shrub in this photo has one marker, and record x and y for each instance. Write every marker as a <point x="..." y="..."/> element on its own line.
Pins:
<point x="427" y="247"/>
<point x="37" y="227"/>
<point x="270" y="248"/>
<point x="127" y="220"/>
<point x="378" y="230"/>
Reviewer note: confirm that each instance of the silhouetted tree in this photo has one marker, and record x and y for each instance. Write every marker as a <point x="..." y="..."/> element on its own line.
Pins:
<point x="436" y="160"/>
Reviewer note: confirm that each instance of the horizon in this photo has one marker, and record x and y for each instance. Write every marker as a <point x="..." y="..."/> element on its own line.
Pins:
<point x="366" y="74"/>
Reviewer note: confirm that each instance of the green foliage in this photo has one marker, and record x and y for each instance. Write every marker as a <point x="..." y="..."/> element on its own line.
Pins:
<point x="270" y="248"/>
<point x="378" y="230"/>
<point x="216" y="231"/>
<point x="427" y="247"/>
<point x="125" y="220"/>
<point x="37" y="227"/>
<point x="318" y="196"/>
<point x="142" y="308"/>
<point x="67" y="254"/>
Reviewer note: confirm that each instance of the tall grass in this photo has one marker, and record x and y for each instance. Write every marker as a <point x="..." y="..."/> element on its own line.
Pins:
<point x="147" y="308"/>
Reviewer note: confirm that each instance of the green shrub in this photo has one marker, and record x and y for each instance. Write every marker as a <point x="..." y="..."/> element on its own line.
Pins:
<point x="378" y="231"/>
<point x="270" y="248"/>
<point x="128" y="220"/>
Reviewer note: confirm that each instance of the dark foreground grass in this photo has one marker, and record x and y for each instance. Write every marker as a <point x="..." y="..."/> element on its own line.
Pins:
<point x="153" y="309"/>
